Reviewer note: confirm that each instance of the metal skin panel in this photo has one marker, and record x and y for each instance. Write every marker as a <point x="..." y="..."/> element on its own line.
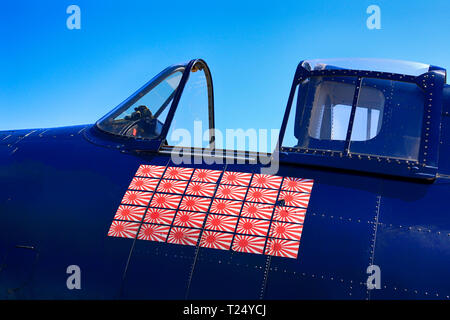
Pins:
<point x="444" y="142"/>
<point x="158" y="271"/>
<point x="219" y="274"/>
<point x="413" y="241"/>
<point x="336" y="244"/>
<point x="57" y="202"/>
<point x="332" y="262"/>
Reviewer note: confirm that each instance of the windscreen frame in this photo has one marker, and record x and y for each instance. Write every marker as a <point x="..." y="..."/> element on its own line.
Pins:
<point x="154" y="144"/>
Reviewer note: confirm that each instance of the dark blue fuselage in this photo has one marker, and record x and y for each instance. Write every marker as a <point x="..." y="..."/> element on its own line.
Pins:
<point x="59" y="192"/>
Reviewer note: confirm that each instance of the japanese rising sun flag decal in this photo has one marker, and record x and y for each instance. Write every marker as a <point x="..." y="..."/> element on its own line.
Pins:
<point x="201" y="189"/>
<point x="231" y="192"/>
<point x="183" y="236"/>
<point x="160" y="216"/>
<point x="172" y="186"/>
<point x="216" y="240"/>
<point x="150" y="171"/>
<point x="204" y="175"/>
<point x="168" y="201"/>
<point x="262" y="195"/>
<point x="249" y="244"/>
<point x="221" y="223"/>
<point x="257" y="210"/>
<point x="236" y="178"/>
<point x="254" y="227"/>
<point x="130" y="213"/>
<point x="153" y="232"/>
<point x="136" y="198"/>
<point x="222" y="210"/>
<point x="123" y="229"/>
<point x="227" y="207"/>
<point x="143" y="184"/>
<point x="266" y="181"/>
<point x="189" y="219"/>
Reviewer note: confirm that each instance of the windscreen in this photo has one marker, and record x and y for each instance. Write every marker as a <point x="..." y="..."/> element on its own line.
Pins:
<point x="145" y="115"/>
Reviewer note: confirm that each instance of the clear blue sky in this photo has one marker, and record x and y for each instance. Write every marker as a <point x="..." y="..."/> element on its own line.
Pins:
<point x="53" y="76"/>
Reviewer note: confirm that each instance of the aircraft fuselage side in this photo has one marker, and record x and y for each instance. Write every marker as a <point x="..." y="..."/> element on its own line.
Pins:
<point x="60" y="193"/>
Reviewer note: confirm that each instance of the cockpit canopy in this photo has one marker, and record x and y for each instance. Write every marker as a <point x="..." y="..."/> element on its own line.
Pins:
<point x="384" y="113"/>
<point x="166" y="109"/>
<point x="368" y="64"/>
<point x="373" y="115"/>
<point x="387" y="120"/>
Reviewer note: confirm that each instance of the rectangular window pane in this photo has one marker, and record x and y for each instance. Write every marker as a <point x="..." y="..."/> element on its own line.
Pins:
<point x="388" y="119"/>
<point x="319" y="120"/>
<point x="369" y="110"/>
<point x="190" y="125"/>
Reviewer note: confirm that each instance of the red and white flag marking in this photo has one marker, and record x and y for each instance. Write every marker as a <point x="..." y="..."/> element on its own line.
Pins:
<point x="231" y="192"/>
<point x="216" y="240"/>
<point x="236" y="178"/>
<point x="289" y="214"/>
<point x="266" y="181"/>
<point x="257" y="210"/>
<point x="130" y="213"/>
<point x="123" y="229"/>
<point x="189" y="219"/>
<point x="150" y="171"/>
<point x="195" y="203"/>
<point x="204" y="175"/>
<point x="239" y="211"/>
<point x="137" y="198"/>
<point x="183" y="236"/>
<point x="144" y="184"/>
<point x="201" y="189"/>
<point x="297" y="184"/>
<point x="282" y="248"/>
<point x="178" y="173"/>
<point x="227" y="207"/>
<point x="159" y="216"/>
<point x="172" y="186"/>
<point x="153" y="232"/>
<point x="262" y="195"/>
<point x="221" y="223"/>
<point x="167" y="201"/>
<point x="249" y="244"/>
<point x="253" y="227"/>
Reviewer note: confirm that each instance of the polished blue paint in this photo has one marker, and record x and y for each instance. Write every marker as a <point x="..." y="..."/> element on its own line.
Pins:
<point x="61" y="187"/>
